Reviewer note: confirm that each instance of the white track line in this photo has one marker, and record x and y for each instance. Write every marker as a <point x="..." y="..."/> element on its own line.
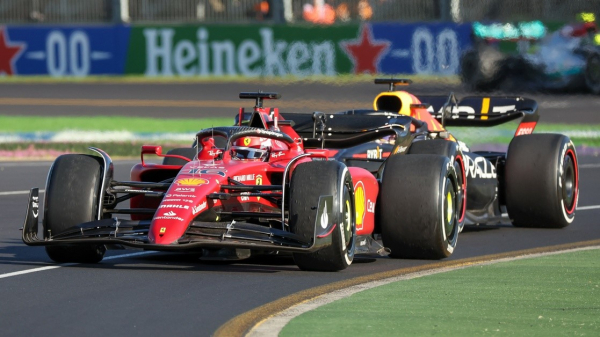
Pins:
<point x="589" y="166"/>
<point x="35" y="270"/>
<point x="585" y="208"/>
<point x="18" y="192"/>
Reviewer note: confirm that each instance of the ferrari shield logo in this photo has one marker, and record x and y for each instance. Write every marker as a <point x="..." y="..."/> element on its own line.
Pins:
<point x="247" y="141"/>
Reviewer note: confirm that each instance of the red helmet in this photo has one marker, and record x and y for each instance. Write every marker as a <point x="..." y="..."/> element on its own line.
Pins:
<point x="251" y="148"/>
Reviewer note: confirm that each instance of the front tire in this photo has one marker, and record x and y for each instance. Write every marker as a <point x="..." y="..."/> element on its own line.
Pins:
<point x="71" y="198"/>
<point x="310" y="181"/>
<point x="542" y="181"/>
<point x="419" y="209"/>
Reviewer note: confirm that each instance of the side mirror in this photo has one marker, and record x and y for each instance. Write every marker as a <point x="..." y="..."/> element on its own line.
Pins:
<point x="152" y="149"/>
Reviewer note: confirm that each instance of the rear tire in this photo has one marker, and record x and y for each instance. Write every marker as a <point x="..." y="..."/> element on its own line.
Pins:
<point x="71" y="198"/>
<point x="592" y="73"/>
<point x="188" y="152"/>
<point x="542" y="181"/>
<point x="419" y="208"/>
<point x="309" y="181"/>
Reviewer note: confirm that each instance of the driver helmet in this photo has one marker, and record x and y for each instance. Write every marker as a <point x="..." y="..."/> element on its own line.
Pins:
<point x="251" y="148"/>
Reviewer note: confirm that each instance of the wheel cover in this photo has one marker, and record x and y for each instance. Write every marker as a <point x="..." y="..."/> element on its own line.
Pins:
<point x="449" y="210"/>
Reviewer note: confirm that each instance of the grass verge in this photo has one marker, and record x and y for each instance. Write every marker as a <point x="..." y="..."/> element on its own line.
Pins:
<point x="551" y="295"/>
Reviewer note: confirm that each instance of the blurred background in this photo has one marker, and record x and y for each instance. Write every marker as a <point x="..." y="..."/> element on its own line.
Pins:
<point x="134" y="71"/>
<point x="288" y="11"/>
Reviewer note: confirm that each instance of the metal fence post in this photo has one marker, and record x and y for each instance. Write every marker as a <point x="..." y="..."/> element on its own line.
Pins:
<point x="120" y="11"/>
<point x="445" y="10"/>
<point x="277" y="11"/>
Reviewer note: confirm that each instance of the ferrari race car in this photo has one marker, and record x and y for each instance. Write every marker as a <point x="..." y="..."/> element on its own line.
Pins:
<point x="291" y="183"/>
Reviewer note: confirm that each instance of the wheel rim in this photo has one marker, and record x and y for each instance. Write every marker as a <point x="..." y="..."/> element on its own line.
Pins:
<point x="449" y="210"/>
<point x="569" y="184"/>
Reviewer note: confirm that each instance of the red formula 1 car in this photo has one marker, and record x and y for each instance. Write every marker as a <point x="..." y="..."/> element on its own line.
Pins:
<point x="275" y="183"/>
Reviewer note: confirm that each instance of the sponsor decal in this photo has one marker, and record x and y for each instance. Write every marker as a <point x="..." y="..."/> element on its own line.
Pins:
<point x="215" y="152"/>
<point x="209" y="52"/>
<point x="180" y="195"/>
<point x="163" y="230"/>
<point x="525" y="128"/>
<point x="278" y="154"/>
<point x="479" y="168"/>
<point x="207" y="171"/>
<point x="178" y="200"/>
<point x="243" y="198"/>
<point x="400" y="149"/>
<point x="185" y="189"/>
<point x="247" y="141"/>
<point x="191" y="181"/>
<point x="199" y="208"/>
<point x="35" y="206"/>
<point x="175" y="206"/>
<point x="269" y="133"/>
<point x="246" y="177"/>
<point x="375" y="153"/>
<point x="370" y="206"/>
<point x="169" y="216"/>
<point x="324" y="217"/>
<point x="360" y="203"/>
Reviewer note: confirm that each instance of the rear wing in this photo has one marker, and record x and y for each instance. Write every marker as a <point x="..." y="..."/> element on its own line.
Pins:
<point x="483" y="111"/>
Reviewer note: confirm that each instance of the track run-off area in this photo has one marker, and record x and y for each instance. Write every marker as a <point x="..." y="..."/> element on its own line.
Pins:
<point x="148" y="293"/>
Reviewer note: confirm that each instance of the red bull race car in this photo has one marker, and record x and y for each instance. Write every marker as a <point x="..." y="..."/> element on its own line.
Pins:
<point x="294" y="183"/>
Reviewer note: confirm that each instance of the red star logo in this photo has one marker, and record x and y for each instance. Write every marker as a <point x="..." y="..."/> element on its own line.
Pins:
<point x="365" y="51"/>
<point x="9" y="53"/>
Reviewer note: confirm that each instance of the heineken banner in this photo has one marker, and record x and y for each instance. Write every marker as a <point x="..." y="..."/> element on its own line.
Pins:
<point x="233" y="50"/>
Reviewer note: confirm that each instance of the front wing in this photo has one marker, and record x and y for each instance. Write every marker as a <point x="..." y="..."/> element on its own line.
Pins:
<point x="199" y="235"/>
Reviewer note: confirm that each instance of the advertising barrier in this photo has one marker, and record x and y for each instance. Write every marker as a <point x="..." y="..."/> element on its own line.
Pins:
<point x="233" y="50"/>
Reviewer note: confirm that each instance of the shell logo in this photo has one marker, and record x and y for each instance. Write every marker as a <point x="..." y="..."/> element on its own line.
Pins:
<point x="360" y="204"/>
<point x="191" y="181"/>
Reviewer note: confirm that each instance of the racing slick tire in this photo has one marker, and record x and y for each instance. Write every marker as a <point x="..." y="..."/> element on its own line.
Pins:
<point x="188" y="152"/>
<point x="418" y="206"/>
<point x="310" y="181"/>
<point x="592" y="73"/>
<point x="450" y="150"/>
<point x="541" y="181"/>
<point x="71" y="198"/>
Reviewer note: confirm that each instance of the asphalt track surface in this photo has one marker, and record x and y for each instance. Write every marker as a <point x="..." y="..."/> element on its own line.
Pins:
<point x="217" y="99"/>
<point x="157" y="293"/>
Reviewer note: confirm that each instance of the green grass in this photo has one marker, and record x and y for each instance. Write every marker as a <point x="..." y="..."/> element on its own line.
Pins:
<point x="106" y="123"/>
<point x="555" y="295"/>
